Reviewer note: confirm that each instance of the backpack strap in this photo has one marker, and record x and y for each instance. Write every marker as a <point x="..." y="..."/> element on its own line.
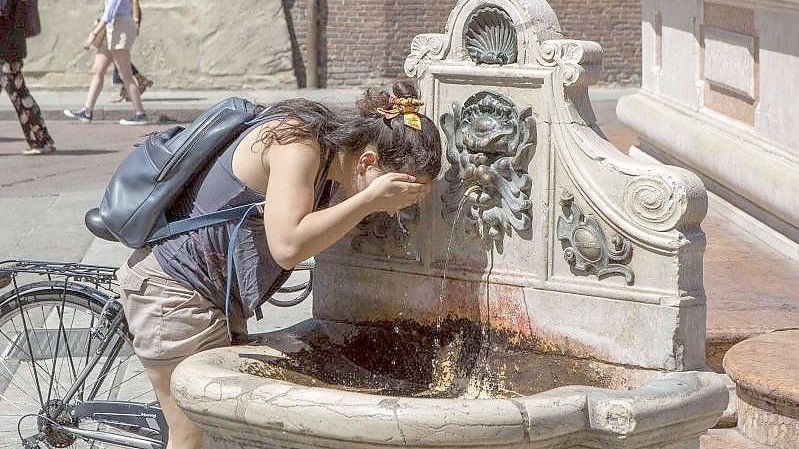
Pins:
<point x="201" y="221"/>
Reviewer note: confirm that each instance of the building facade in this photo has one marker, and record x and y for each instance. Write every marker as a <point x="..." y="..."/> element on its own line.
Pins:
<point x="718" y="97"/>
<point x="259" y="44"/>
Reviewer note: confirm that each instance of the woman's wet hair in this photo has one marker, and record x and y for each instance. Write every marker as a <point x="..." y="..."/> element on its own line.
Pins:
<point x="400" y="148"/>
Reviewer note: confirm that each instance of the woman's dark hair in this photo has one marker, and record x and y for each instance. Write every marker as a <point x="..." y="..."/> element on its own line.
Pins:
<point x="399" y="147"/>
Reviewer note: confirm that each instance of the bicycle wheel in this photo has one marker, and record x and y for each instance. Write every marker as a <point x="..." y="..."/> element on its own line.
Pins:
<point x="49" y="332"/>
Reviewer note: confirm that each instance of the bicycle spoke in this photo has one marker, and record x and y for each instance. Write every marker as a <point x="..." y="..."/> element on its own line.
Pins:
<point x="126" y="380"/>
<point x="11" y="381"/>
<point x="34" y="363"/>
<point x="30" y="351"/>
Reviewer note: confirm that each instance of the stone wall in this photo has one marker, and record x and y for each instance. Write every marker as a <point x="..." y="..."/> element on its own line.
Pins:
<point x="367" y="40"/>
<point x="184" y="44"/>
<point x="261" y="44"/>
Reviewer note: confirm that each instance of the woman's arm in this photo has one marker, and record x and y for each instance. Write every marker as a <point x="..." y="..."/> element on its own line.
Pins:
<point x="294" y="231"/>
<point x="99" y="27"/>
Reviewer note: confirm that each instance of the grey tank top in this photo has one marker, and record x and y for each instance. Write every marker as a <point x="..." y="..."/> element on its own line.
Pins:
<point x="198" y="259"/>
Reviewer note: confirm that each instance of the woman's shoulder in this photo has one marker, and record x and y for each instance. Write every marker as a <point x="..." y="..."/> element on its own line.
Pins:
<point x="282" y="131"/>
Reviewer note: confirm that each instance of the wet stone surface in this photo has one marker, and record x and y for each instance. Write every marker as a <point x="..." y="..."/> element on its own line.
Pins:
<point x="457" y="359"/>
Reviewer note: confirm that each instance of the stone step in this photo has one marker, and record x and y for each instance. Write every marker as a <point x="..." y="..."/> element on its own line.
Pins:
<point x="764" y="369"/>
<point x="751" y="288"/>
<point x="728" y="439"/>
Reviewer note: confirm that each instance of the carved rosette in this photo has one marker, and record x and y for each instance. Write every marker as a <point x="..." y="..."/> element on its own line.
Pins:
<point x="424" y="49"/>
<point x="585" y="246"/>
<point x="490" y="37"/>
<point x="489" y="144"/>
<point x="654" y="203"/>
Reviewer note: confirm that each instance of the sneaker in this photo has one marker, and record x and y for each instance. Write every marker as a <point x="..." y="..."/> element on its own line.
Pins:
<point x="139" y="119"/>
<point x="84" y="115"/>
<point x="34" y="151"/>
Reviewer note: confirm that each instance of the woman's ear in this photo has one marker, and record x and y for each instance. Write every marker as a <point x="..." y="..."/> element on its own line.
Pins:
<point x="367" y="159"/>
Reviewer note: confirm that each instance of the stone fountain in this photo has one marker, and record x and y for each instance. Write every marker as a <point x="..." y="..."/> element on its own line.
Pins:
<point x="549" y="295"/>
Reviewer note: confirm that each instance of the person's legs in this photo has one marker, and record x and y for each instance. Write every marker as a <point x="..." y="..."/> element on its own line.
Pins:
<point x="169" y="322"/>
<point x="116" y="79"/>
<point x="101" y="62"/>
<point x="28" y="112"/>
<point x="183" y="434"/>
<point x="122" y="60"/>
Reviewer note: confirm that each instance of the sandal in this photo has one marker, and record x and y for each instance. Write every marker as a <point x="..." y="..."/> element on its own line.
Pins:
<point x="123" y="96"/>
<point x="35" y="151"/>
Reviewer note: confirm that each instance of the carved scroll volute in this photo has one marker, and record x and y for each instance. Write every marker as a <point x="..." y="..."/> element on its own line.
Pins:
<point x="489" y="144"/>
<point x="425" y="48"/>
<point x="665" y="200"/>
<point x="576" y="61"/>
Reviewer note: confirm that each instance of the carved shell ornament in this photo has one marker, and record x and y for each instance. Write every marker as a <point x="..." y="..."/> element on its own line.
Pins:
<point x="585" y="247"/>
<point x="490" y="37"/>
<point x="489" y="144"/>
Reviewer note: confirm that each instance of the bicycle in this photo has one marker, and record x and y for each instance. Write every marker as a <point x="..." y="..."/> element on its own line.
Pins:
<point x="68" y="375"/>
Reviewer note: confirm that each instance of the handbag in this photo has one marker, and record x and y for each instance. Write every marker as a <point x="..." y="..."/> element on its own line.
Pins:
<point x="33" y="26"/>
<point x="99" y="38"/>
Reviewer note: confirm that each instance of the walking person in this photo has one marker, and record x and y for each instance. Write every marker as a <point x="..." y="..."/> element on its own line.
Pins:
<point x="13" y="50"/>
<point x="142" y="81"/>
<point x="120" y="30"/>
<point x="174" y="291"/>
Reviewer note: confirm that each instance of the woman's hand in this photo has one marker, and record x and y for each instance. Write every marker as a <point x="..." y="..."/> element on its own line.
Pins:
<point x="89" y="42"/>
<point x="394" y="191"/>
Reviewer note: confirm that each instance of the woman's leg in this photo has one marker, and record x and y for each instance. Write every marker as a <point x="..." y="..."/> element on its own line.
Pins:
<point x="28" y="112"/>
<point x="122" y="60"/>
<point x="117" y="79"/>
<point x="183" y="434"/>
<point x="101" y="62"/>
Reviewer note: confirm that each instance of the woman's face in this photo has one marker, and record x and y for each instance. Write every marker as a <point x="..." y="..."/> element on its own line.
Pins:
<point x="361" y="170"/>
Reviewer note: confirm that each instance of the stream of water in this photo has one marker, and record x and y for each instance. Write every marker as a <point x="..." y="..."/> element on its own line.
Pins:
<point x="443" y="289"/>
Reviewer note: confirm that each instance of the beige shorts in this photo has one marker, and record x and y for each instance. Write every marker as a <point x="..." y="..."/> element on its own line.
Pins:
<point x="168" y="321"/>
<point x="121" y="33"/>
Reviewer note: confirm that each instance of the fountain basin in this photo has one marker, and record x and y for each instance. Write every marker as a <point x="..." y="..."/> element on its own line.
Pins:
<point x="290" y="392"/>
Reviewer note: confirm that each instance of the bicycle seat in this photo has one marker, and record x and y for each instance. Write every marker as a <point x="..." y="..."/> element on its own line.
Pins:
<point x="95" y="224"/>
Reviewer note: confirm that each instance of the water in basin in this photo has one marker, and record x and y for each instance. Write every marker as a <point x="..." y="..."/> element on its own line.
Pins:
<point x="454" y="358"/>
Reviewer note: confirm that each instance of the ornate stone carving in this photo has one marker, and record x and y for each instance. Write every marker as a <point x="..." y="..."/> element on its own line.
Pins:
<point x="489" y="144"/>
<point x="384" y="236"/>
<point x="572" y="57"/>
<point x="425" y="48"/>
<point x="490" y="37"/>
<point x="653" y="202"/>
<point x="585" y="245"/>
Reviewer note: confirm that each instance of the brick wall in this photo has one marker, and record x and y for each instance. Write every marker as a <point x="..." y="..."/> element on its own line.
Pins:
<point x="365" y="42"/>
